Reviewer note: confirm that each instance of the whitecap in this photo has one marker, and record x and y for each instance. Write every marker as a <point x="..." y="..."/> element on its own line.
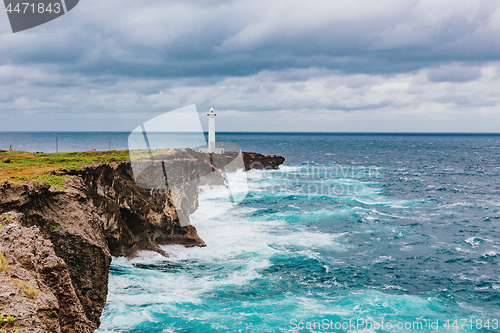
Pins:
<point x="474" y="241"/>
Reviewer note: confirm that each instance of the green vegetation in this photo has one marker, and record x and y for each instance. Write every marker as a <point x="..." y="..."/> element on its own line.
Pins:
<point x="26" y="288"/>
<point x="4" y="265"/>
<point x="141" y="154"/>
<point x="52" y="180"/>
<point x="7" y="218"/>
<point x="53" y="227"/>
<point x="26" y="166"/>
<point x="78" y="267"/>
<point x="4" y="322"/>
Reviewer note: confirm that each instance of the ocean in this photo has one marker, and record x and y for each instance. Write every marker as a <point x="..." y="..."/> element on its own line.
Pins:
<point x="354" y="233"/>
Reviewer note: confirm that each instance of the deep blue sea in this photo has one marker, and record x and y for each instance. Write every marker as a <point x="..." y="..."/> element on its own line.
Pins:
<point x="354" y="233"/>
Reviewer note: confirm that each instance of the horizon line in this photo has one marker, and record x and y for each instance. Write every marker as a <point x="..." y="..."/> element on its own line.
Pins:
<point x="271" y="132"/>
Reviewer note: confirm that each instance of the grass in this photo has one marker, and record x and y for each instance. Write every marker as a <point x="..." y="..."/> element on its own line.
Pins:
<point x="4" y="265"/>
<point x="6" y="321"/>
<point x="26" y="166"/>
<point x="52" y="180"/>
<point x="26" y="288"/>
<point x="140" y="154"/>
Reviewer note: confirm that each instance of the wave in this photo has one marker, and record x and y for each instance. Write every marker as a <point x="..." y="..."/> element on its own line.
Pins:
<point x="281" y="254"/>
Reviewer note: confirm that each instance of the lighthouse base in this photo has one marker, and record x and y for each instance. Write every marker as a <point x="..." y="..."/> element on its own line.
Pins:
<point x="211" y="150"/>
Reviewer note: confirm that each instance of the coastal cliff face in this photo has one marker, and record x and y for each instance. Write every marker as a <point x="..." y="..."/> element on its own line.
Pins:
<point x="56" y="243"/>
<point x="262" y="162"/>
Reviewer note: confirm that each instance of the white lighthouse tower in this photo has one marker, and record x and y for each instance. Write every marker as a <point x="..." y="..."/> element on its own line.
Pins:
<point x="211" y="130"/>
<point x="211" y="135"/>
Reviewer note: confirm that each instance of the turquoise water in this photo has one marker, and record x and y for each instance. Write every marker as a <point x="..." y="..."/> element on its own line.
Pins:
<point x="353" y="229"/>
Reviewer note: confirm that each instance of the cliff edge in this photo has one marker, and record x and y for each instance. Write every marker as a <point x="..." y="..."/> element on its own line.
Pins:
<point x="56" y="242"/>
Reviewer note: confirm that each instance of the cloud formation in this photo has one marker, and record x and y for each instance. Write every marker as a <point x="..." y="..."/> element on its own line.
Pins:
<point x="121" y="61"/>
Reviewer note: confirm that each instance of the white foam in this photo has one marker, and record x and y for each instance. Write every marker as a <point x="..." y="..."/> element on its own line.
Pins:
<point x="288" y="168"/>
<point x="395" y="287"/>
<point x="310" y="240"/>
<point x="490" y="254"/>
<point x="382" y="259"/>
<point x="383" y="202"/>
<point x="459" y="249"/>
<point x="240" y="246"/>
<point x="474" y="241"/>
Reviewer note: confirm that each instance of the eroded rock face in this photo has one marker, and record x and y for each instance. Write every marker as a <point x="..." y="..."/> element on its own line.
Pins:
<point x="262" y="162"/>
<point x="67" y="255"/>
<point x="101" y="212"/>
<point x="59" y="242"/>
<point x="37" y="287"/>
<point x="134" y="218"/>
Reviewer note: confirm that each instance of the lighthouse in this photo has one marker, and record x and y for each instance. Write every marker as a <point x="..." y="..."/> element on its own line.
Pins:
<point x="211" y="135"/>
<point x="211" y="130"/>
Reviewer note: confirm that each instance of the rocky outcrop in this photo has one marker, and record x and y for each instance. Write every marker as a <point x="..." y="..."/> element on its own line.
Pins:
<point x="37" y="287"/>
<point x="262" y="162"/>
<point x="134" y="218"/>
<point x="67" y="258"/>
<point x="250" y="161"/>
<point x="57" y="243"/>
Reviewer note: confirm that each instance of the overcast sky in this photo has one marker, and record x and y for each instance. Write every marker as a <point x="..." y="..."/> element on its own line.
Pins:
<point x="339" y="66"/>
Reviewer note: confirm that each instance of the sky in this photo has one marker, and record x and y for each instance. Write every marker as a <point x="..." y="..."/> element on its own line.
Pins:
<point x="318" y="66"/>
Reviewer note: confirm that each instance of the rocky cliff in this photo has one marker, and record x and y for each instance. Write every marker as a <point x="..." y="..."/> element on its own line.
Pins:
<point x="56" y="243"/>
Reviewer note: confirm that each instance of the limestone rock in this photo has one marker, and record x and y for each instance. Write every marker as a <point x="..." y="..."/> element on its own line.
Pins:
<point x="58" y="243"/>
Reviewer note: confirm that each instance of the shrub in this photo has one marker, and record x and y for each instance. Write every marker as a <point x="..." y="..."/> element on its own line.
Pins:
<point x="6" y="321"/>
<point x="26" y="288"/>
<point x="4" y="265"/>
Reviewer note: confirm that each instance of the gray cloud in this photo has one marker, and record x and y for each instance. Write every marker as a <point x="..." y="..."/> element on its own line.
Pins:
<point x="112" y="64"/>
<point x="454" y="73"/>
<point x="238" y="38"/>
